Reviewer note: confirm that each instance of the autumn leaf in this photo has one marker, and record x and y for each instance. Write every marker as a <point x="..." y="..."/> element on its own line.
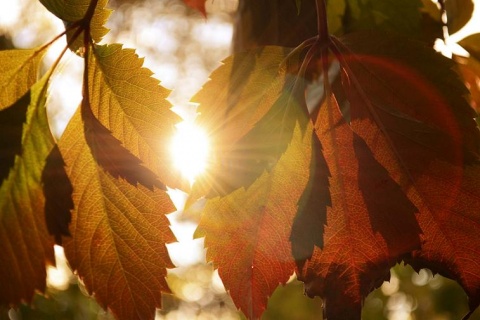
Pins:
<point x="118" y="230"/>
<point x="18" y="72"/>
<point x="459" y="13"/>
<point x="470" y="70"/>
<point x="251" y="120"/>
<point x="416" y="136"/>
<point x="112" y="156"/>
<point x="197" y="5"/>
<point x="12" y="120"/>
<point x="247" y="232"/>
<point x="132" y="105"/>
<point x="309" y="223"/>
<point x="73" y="11"/>
<point x="370" y="222"/>
<point x="25" y="244"/>
<point x="57" y="189"/>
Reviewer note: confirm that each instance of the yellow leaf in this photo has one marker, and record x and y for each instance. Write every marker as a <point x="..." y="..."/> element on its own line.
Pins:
<point x="118" y="231"/>
<point x="133" y="106"/>
<point x="18" y="72"/>
<point x="24" y="240"/>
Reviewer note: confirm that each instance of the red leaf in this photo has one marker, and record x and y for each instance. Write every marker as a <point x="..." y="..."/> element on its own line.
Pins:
<point x="198" y="5"/>
<point x="247" y="232"/>
<point x="413" y="135"/>
<point x="370" y="222"/>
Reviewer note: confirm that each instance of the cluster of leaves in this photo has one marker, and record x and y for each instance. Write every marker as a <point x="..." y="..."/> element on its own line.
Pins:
<point x="380" y="164"/>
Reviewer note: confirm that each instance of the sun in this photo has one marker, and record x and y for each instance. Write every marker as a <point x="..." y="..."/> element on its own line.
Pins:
<point x="190" y="150"/>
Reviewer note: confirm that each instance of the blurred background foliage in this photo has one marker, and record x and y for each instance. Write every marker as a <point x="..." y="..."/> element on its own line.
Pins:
<point x="182" y="47"/>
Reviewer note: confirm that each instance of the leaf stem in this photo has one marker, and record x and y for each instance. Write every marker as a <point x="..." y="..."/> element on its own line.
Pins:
<point x="89" y="14"/>
<point x="322" y="24"/>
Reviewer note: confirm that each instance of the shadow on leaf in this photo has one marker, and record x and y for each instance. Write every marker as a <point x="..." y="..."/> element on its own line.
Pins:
<point x="11" y="130"/>
<point x="58" y="190"/>
<point x="112" y="156"/>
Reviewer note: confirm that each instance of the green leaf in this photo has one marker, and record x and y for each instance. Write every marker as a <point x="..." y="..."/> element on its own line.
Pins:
<point x="250" y="119"/>
<point x="71" y="11"/>
<point x="18" y="72"/>
<point x="119" y="230"/>
<point x="132" y="105"/>
<point x="25" y="244"/>
<point x="247" y="233"/>
<point x="335" y="13"/>
<point x="399" y="16"/>
<point x="459" y="13"/>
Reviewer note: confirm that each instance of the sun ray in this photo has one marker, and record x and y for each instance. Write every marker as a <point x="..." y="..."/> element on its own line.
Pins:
<point x="190" y="149"/>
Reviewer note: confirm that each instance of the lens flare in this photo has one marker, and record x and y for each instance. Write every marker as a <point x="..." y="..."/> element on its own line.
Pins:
<point x="190" y="149"/>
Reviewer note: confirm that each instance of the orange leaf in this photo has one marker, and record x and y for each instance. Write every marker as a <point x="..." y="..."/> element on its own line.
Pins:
<point x="412" y="132"/>
<point x="133" y="107"/>
<point x="247" y="232"/>
<point x="118" y="230"/>
<point x="370" y="222"/>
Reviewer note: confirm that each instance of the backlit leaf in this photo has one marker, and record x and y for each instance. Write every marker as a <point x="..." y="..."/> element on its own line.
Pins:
<point x="470" y="71"/>
<point x="250" y="119"/>
<point x="71" y="11"/>
<point x="370" y="222"/>
<point x="112" y="156"/>
<point x="25" y="245"/>
<point x="459" y="13"/>
<point x="247" y="232"/>
<point x="419" y="137"/>
<point x="118" y="230"/>
<point x="18" y="72"/>
<point x="57" y="189"/>
<point x="12" y="120"/>
<point x="132" y="105"/>
<point x="308" y="226"/>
